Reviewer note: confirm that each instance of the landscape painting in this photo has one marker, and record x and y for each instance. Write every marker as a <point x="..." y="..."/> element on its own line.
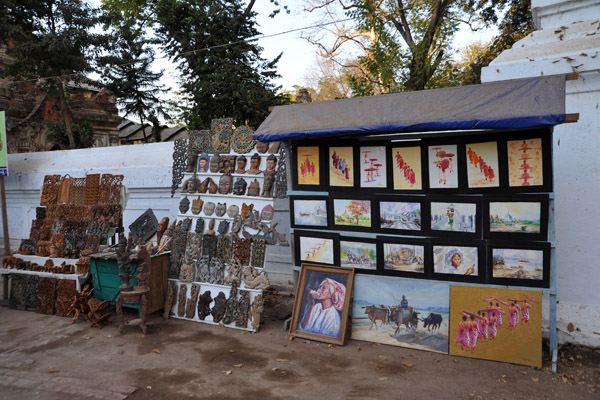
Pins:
<point x="404" y="257"/>
<point x="352" y="212"/>
<point x="400" y="215"/>
<point x="317" y="250"/>
<point x="456" y="260"/>
<point x="517" y="263"/>
<point x="482" y="165"/>
<point x="401" y="312"/>
<point x="406" y="163"/>
<point x="341" y="168"/>
<point x="443" y="172"/>
<point x="373" y="167"/>
<point x="308" y="165"/>
<point x="496" y="324"/>
<point x="515" y="217"/>
<point x="362" y="255"/>
<point x="310" y="212"/>
<point x="454" y="217"/>
<point x="525" y="163"/>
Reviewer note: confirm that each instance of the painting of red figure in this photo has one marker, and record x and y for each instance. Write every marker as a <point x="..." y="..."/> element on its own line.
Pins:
<point x="341" y="166"/>
<point x="496" y="324"/>
<point x="406" y="163"/>
<point x="443" y="172"/>
<point x="525" y="163"/>
<point x="308" y="165"/>
<point x="372" y="167"/>
<point x="482" y="164"/>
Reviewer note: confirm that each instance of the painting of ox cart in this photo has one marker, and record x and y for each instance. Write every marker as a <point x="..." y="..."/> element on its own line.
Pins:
<point x="401" y="312"/>
<point x="361" y="255"/>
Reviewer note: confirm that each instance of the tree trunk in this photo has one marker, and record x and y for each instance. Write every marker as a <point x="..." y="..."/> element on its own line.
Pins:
<point x="141" y="115"/>
<point x="66" y="114"/>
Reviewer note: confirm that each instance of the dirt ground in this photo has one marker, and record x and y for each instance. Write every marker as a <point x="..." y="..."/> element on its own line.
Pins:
<point x="43" y="357"/>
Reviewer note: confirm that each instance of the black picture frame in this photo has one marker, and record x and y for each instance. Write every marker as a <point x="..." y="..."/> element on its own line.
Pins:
<point x="392" y="146"/>
<point x="355" y="174"/>
<point x="454" y="201"/>
<point x="454" y="164"/>
<point x="545" y="134"/>
<point x="384" y="240"/>
<point x="337" y="198"/>
<point x="542" y="199"/>
<point x="295" y="223"/>
<point x="360" y="161"/>
<point x="299" y="234"/>
<point x="470" y="141"/>
<point x="383" y="227"/>
<point x="322" y="185"/>
<point x="438" y="260"/>
<point x="543" y="247"/>
<point x="356" y="266"/>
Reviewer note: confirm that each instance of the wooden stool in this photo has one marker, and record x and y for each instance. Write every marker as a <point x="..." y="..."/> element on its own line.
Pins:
<point x="139" y="292"/>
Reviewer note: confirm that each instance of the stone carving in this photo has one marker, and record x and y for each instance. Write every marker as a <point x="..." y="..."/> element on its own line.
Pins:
<point x="274" y="148"/>
<point x="203" y="269"/>
<point x="221" y="131"/>
<point x="255" y="279"/>
<point x="191" y="184"/>
<point x="169" y="300"/>
<point x="258" y="306"/>
<point x="262" y="147"/>
<point x="254" y="165"/>
<point x="194" y="246"/>
<point x="239" y="188"/>
<point x="234" y="272"/>
<point x="186" y="273"/>
<point x="220" y="209"/>
<point x="184" y="205"/>
<point x="209" y="208"/>
<point x="204" y="305"/>
<point x="162" y="227"/>
<point x="267" y="213"/>
<point x="181" y="300"/>
<point x="233" y="211"/>
<point x="209" y="245"/>
<point x="179" y="163"/>
<point x="241" y="320"/>
<point x="258" y="253"/>
<point x="241" y="165"/>
<point x="241" y="250"/>
<point x="246" y="209"/>
<point x="197" y="205"/>
<point x="241" y="140"/>
<point x="211" y="228"/>
<point x="225" y="184"/>
<point x="217" y="271"/>
<point x="199" y="225"/>
<point x="214" y="163"/>
<point x="231" y="306"/>
<point x="190" y="308"/>
<point x="218" y="310"/>
<point x="254" y="188"/>
<point x="224" y="245"/>
<point x="186" y="225"/>
<point x="203" y="163"/>
<point x="281" y="175"/>
<point x="267" y="190"/>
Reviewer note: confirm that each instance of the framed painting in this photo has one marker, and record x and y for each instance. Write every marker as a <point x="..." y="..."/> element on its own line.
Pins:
<point x="455" y="217"/>
<point x="482" y="165"/>
<point x="458" y="261"/>
<point x="307" y="171"/>
<point x="373" y="167"/>
<point x="401" y="312"/>
<point x="442" y="166"/>
<point x="316" y="247"/>
<point x="404" y="257"/>
<point x="517" y="217"/>
<point x="529" y="161"/>
<point x="322" y="303"/>
<point x="358" y="253"/>
<point x="516" y="264"/>
<point x="308" y="212"/>
<point x="404" y="216"/>
<point x="407" y="168"/>
<point x="352" y="214"/>
<point x="341" y="167"/>
<point x="496" y="324"/>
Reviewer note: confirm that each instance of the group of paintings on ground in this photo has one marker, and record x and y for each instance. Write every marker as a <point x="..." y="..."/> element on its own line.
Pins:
<point x="479" y="322"/>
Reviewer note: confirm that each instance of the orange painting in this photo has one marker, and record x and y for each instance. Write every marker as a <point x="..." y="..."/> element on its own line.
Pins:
<point x="482" y="164"/>
<point x="308" y="165"/>
<point x="525" y="163"/>
<point x="406" y="163"/>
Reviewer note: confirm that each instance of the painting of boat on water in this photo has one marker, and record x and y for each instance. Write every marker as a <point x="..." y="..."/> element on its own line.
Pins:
<point x="403" y="257"/>
<point x="518" y="263"/>
<point x="515" y="217"/>
<point x="310" y="212"/>
<point x="400" y="215"/>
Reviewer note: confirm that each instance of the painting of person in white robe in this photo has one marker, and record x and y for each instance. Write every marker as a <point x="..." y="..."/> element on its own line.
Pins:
<point x="323" y="314"/>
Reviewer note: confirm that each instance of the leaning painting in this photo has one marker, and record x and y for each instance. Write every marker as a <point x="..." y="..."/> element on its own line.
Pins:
<point x="496" y="324"/>
<point x="322" y="303"/>
<point x="401" y="312"/>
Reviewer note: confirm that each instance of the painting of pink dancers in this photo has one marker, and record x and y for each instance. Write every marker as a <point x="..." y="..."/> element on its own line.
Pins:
<point x="443" y="171"/>
<point x="373" y="167"/>
<point x="406" y="162"/>
<point x="341" y="166"/>
<point x="496" y="324"/>
<point x="525" y="163"/>
<point x="482" y="165"/>
<point x="308" y="165"/>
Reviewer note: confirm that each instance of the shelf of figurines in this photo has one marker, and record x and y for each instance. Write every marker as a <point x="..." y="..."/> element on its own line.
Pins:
<point x="183" y="216"/>
<point x="228" y="196"/>
<point x="200" y="175"/>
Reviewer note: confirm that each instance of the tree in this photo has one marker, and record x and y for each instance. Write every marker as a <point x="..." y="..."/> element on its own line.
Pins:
<point x="50" y="43"/>
<point x="83" y="134"/>
<point x="327" y="81"/>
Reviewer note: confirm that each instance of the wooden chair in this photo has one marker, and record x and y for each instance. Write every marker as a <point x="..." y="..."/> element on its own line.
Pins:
<point x="139" y="292"/>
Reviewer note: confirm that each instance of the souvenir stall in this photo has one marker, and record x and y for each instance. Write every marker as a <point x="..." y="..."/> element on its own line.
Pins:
<point x="432" y="210"/>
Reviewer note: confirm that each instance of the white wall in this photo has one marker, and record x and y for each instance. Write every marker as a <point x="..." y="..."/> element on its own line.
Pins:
<point x="576" y="151"/>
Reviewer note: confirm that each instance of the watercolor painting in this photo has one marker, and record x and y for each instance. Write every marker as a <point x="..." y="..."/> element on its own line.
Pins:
<point x="308" y="165"/>
<point x="457" y="260"/>
<point x="496" y="324"/>
<point x="482" y="165"/>
<point x="406" y="163"/>
<point x="525" y="163"/>
<point x="515" y="217"/>
<point x="400" y="215"/>
<point x="517" y="263"/>
<point x="310" y="212"/>
<point x="341" y="168"/>
<point x="404" y="257"/>
<point x="352" y="212"/>
<point x="317" y="250"/>
<point x="454" y="217"/>
<point x="373" y="167"/>
<point x="443" y="171"/>
<point x="401" y="312"/>
<point x="361" y="255"/>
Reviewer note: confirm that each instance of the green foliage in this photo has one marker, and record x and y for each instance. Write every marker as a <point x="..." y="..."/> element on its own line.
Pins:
<point x="83" y="134"/>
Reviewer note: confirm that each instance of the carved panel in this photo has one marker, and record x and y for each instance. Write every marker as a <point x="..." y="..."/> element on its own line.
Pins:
<point x="241" y="140"/>
<point x="220" y="135"/>
<point x="145" y="225"/>
<point x="179" y="163"/>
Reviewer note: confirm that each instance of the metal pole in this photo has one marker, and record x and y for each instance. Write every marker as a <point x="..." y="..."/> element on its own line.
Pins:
<point x="7" y="252"/>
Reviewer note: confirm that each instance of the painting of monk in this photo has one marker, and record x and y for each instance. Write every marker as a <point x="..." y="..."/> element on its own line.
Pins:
<point x="443" y="171"/>
<point x="341" y="166"/>
<point x="525" y="163"/>
<point x="308" y="165"/>
<point x="482" y="164"/>
<point x="406" y="165"/>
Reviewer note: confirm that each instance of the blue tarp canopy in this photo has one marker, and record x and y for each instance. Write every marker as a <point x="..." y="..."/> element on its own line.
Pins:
<point x="516" y="104"/>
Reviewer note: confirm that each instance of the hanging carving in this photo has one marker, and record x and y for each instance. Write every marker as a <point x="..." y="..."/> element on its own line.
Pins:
<point x="200" y="141"/>
<point x="212" y="186"/>
<point x="170" y="298"/>
<point x="177" y="251"/>
<point x="181" y="300"/>
<point x="191" y="184"/>
<point x="238" y="221"/>
<point x="204" y="305"/>
<point x="254" y="188"/>
<point x="186" y="273"/>
<point x="262" y="147"/>
<point x="239" y="187"/>
<point x="209" y="208"/>
<point x="220" y="209"/>
<point x="241" y="250"/>
<point x="234" y="272"/>
<point x="203" y="269"/>
<point x="110" y="189"/>
<point x="77" y="192"/>
<point x="267" y="213"/>
<point x="179" y="163"/>
<point x="266" y="232"/>
<point x="184" y="205"/>
<point x="224" y="244"/>
<point x="255" y="279"/>
<point x="203" y="163"/>
<point x="209" y="245"/>
<point x="231" y="306"/>
<point x="197" y="205"/>
<point x="241" y="140"/>
<point x="217" y="271"/>
<point x="92" y="189"/>
<point x="190" y="307"/>
<point x="186" y="225"/>
<point x="50" y="190"/>
<point x="194" y="246"/>
<point x="215" y="162"/>
<point x="46" y="293"/>
<point x="258" y="253"/>
<point x="145" y="225"/>
<point x="241" y="320"/>
<point x="225" y="184"/>
<point x="220" y="135"/>
<point x="199" y="225"/>
<point x="281" y="175"/>
<point x="246" y="209"/>
<point x="227" y="164"/>
<point x="218" y="310"/>
<point x="223" y="227"/>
